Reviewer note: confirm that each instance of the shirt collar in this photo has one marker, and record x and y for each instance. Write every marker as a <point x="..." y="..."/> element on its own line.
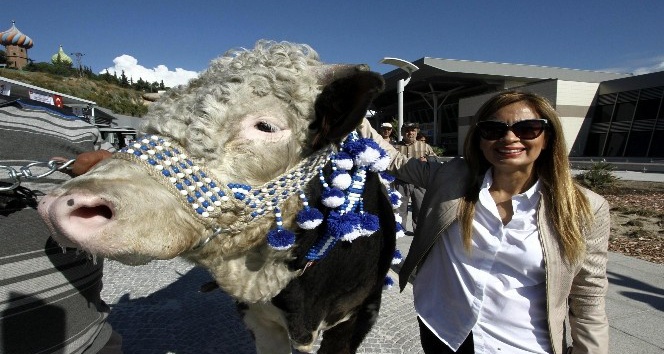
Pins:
<point x="532" y="194"/>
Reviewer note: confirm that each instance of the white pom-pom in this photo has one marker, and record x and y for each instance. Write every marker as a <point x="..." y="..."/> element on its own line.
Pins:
<point x="310" y="224"/>
<point x="367" y="157"/>
<point x="333" y="202"/>
<point x="381" y="164"/>
<point x="342" y="181"/>
<point x="345" y="164"/>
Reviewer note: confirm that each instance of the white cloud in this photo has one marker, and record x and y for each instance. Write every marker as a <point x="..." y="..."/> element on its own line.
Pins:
<point x="134" y="71"/>
<point x="650" y="68"/>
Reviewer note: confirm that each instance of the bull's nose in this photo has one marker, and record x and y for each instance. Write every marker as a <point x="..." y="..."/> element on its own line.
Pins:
<point x="74" y="218"/>
<point x="90" y="214"/>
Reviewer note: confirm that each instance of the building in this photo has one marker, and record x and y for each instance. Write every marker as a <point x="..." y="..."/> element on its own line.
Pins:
<point x="16" y="47"/>
<point x="61" y="57"/>
<point x="628" y="118"/>
<point x="603" y="114"/>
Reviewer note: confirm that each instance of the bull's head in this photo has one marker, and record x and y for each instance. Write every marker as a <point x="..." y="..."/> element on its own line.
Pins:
<point x="252" y="116"/>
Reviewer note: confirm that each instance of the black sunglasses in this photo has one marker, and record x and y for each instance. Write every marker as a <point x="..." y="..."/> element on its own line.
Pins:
<point x="526" y="129"/>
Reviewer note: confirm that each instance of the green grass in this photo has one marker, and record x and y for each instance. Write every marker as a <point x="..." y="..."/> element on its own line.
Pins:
<point x="119" y="100"/>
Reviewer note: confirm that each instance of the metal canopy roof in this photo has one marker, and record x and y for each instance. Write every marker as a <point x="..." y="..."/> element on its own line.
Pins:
<point x="517" y="71"/>
<point x="454" y="79"/>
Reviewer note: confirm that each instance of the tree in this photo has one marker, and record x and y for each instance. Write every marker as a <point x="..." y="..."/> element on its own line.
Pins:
<point x="141" y="85"/>
<point x="124" y="82"/>
<point x="3" y="57"/>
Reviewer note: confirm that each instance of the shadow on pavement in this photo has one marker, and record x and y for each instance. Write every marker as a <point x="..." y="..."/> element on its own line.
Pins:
<point x="646" y="293"/>
<point x="181" y="319"/>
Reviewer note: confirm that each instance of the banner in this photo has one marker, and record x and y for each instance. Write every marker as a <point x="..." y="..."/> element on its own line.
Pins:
<point x="5" y="88"/>
<point x="41" y="97"/>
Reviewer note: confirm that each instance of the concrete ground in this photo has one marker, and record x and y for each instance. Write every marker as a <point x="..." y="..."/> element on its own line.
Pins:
<point x="158" y="309"/>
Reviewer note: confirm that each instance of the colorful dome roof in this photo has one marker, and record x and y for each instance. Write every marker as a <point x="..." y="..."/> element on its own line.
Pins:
<point x="62" y="56"/>
<point x="13" y="36"/>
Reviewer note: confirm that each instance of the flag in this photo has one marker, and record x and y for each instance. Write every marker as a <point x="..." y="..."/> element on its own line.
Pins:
<point x="57" y="101"/>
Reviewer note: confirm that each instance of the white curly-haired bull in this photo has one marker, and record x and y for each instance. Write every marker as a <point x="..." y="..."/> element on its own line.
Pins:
<point x="251" y="117"/>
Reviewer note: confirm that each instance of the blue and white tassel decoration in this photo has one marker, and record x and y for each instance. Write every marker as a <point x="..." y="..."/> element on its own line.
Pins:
<point x="280" y="238"/>
<point x="388" y="283"/>
<point x="342" y="194"/>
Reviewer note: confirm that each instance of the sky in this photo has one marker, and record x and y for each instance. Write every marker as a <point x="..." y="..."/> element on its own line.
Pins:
<point x="173" y="41"/>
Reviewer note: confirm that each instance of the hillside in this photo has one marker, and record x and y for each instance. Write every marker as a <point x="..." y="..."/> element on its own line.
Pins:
<point x="119" y="100"/>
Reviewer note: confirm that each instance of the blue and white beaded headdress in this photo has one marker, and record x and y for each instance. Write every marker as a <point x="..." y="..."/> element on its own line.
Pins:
<point x="342" y="191"/>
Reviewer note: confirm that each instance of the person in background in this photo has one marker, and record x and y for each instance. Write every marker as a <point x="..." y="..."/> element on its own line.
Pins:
<point x="509" y="248"/>
<point x="421" y="137"/>
<point x="385" y="131"/>
<point x="50" y="296"/>
<point x="410" y="147"/>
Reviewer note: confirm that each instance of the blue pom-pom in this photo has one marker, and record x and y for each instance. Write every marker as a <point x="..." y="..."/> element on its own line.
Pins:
<point x="400" y="232"/>
<point x="333" y="197"/>
<point x="345" y="227"/>
<point x="280" y="239"/>
<point x="333" y="224"/>
<point x="351" y="226"/>
<point x="355" y="147"/>
<point x="395" y="199"/>
<point x="370" y="224"/>
<point x="309" y="218"/>
<point x="397" y="257"/>
<point x="364" y="151"/>
<point x="388" y="283"/>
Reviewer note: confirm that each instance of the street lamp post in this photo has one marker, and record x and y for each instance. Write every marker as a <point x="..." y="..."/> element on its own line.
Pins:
<point x="410" y="68"/>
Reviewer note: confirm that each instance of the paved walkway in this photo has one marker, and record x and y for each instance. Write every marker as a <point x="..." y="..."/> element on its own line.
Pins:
<point x="158" y="309"/>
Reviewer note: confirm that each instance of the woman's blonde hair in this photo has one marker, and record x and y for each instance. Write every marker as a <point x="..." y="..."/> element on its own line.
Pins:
<point x="570" y="209"/>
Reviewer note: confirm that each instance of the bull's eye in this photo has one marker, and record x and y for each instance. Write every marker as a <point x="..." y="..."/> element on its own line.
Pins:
<point x="266" y="127"/>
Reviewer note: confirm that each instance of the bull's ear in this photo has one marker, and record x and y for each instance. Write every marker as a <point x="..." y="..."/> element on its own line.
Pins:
<point x="342" y="105"/>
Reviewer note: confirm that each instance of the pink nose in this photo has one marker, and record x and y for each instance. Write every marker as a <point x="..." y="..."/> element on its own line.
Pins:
<point x="76" y="218"/>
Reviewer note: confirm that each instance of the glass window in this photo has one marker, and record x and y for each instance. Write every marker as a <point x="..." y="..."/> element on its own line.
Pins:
<point x="603" y="113"/>
<point x="624" y="112"/>
<point x="657" y="147"/>
<point x="449" y="117"/>
<point x="647" y="109"/>
<point x="615" y="144"/>
<point x="637" y="146"/>
<point x="594" y="144"/>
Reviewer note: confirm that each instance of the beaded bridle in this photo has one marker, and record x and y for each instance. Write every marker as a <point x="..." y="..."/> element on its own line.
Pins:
<point x="208" y="199"/>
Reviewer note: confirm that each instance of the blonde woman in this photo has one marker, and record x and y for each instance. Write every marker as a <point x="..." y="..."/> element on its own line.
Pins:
<point x="509" y="246"/>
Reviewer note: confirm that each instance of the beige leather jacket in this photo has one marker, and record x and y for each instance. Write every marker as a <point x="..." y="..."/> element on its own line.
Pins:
<point x="577" y="290"/>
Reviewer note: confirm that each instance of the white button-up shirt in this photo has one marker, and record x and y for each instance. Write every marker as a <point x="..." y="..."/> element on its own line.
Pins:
<point x="497" y="291"/>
